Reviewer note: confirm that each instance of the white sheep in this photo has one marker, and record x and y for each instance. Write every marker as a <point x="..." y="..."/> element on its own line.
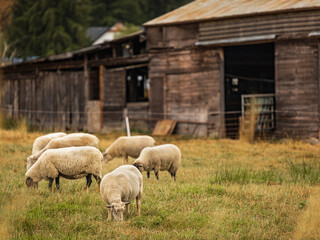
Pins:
<point x="119" y="187"/>
<point x="42" y="141"/>
<point x="70" y="140"/>
<point x="70" y="163"/>
<point x="127" y="146"/>
<point x="165" y="157"/>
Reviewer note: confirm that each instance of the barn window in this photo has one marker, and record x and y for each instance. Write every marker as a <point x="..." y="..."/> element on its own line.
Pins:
<point x="137" y="85"/>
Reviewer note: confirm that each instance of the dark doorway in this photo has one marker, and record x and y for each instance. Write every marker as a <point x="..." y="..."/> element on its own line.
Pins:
<point x="249" y="69"/>
<point x="137" y="85"/>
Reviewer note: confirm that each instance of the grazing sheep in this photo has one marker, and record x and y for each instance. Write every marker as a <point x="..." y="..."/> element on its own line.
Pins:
<point x="127" y="146"/>
<point x="71" y="140"/>
<point x="42" y="141"/>
<point x="119" y="188"/>
<point x="70" y="163"/>
<point x="165" y="157"/>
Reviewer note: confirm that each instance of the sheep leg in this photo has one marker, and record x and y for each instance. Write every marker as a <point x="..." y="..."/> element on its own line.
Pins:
<point x="89" y="180"/>
<point x="57" y="183"/>
<point x="125" y="159"/>
<point x="98" y="179"/>
<point x="109" y="214"/>
<point x="173" y="175"/>
<point x="50" y="183"/>
<point x="138" y="201"/>
<point x="127" y="208"/>
<point x="148" y="174"/>
<point x="157" y="174"/>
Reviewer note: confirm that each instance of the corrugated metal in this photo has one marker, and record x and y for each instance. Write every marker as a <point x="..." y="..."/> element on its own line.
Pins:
<point x="221" y="31"/>
<point x="202" y="10"/>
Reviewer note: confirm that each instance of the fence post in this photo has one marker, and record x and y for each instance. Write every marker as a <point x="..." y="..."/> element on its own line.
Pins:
<point x="128" y="127"/>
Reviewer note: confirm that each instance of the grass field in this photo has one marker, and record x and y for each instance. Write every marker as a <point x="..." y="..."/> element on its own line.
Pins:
<point x="225" y="189"/>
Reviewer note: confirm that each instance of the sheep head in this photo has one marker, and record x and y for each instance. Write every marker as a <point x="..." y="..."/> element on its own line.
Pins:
<point x="138" y="164"/>
<point x="31" y="184"/>
<point x="117" y="210"/>
<point x="30" y="161"/>
<point x="107" y="157"/>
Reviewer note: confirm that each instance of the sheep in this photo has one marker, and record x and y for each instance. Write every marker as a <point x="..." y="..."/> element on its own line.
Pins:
<point x="127" y="146"/>
<point x="119" y="187"/>
<point x="70" y="140"/>
<point x="165" y="157"/>
<point x="42" y="141"/>
<point x="70" y="163"/>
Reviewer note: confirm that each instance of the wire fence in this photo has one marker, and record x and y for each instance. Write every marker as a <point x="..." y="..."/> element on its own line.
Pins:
<point x="228" y="124"/>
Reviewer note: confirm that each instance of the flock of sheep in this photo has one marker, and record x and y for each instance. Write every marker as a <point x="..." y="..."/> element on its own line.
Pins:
<point x="76" y="155"/>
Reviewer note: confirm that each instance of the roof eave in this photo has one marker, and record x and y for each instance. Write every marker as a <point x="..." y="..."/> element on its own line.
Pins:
<point x="147" y="24"/>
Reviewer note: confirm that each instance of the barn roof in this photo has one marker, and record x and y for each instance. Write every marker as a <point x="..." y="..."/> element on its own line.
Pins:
<point x="93" y="33"/>
<point x="204" y="10"/>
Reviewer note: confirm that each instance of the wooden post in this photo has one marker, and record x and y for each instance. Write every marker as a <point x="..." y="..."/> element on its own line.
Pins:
<point x="128" y="126"/>
<point x="101" y="95"/>
<point x="318" y="89"/>
<point x="86" y="88"/>
<point x="222" y="94"/>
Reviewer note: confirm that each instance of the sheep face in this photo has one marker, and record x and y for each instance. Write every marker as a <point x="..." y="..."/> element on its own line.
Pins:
<point x="30" y="161"/>
<point x="31" y="184"/>
<point x="117" y="211"/>
<point x="107" y="157"/>
<point x="138" y="165"/>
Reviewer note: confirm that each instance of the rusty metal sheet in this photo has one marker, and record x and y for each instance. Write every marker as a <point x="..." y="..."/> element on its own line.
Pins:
<point x="164" y="127"/>
<point x="202" y="10"/>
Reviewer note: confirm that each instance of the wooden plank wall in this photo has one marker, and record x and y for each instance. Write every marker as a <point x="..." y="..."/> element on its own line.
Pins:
<point x="279" y="24"/>
<point x="297" y="88"/>
<point x="48" y="100"/>
<point x="114" y="92"/>
<point x="191" y="78"/>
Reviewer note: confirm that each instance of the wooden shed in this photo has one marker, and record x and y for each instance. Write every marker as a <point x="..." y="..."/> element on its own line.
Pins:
<point x="213" y="61"/>
<point x="88" y="89"/>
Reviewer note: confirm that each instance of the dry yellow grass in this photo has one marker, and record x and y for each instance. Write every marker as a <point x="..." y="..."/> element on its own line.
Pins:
<point x="245" y="204"/>
<point x="308" y="224"/>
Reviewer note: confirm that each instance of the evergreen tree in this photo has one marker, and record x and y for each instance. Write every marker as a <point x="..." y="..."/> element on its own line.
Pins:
<point x="45" y="27"/>
<point x="106" y="12"/>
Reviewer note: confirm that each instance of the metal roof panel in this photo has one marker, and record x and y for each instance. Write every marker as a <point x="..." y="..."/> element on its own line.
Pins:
<point x="203" y="10"/>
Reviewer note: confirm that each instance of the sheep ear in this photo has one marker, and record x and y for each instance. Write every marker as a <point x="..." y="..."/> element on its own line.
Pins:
<point x="127" y="203"/>
<point x="137" y="165"/>
<point x="110" y="206"/>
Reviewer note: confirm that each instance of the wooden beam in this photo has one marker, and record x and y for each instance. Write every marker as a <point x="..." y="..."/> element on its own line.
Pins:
<point x="101" y="95"/>
<point x="318" y="89"/>
<point x="222" y="94"/>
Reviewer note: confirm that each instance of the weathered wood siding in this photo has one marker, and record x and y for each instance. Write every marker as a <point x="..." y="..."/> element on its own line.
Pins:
<point x="190" y="76"/>
<point x="114" y="98"/>
<point x="48" y="100"/>
<point x="252" y="26"/>
<point x="297" y="94"/>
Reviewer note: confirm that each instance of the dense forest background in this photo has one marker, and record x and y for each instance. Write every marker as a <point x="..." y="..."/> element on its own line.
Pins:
<point x="45" y="27"/>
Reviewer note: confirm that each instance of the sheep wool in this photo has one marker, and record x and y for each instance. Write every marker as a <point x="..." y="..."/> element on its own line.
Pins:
<point x="128" y="146"/>
<point x="165" y="157"/>
<point x="119" y="188"/>
<point x="42" y="141"/>
<point x="70" y="163"/>
<point x="70" y="140"/>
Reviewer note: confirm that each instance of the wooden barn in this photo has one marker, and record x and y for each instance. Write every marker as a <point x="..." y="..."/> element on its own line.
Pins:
<point x="216" y="68"/>
<point x="229" y="63"/>
<point x="89" y="89"/>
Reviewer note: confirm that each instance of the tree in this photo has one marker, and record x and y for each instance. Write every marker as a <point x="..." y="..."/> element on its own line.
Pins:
<point x="46" y="27"/>
<point x="137" y="12"/>
<point x="5" y="12"/>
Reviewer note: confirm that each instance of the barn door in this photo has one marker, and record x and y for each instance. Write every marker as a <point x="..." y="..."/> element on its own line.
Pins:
<point x="156" y="97"/>
<point x="112" y="95"/>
